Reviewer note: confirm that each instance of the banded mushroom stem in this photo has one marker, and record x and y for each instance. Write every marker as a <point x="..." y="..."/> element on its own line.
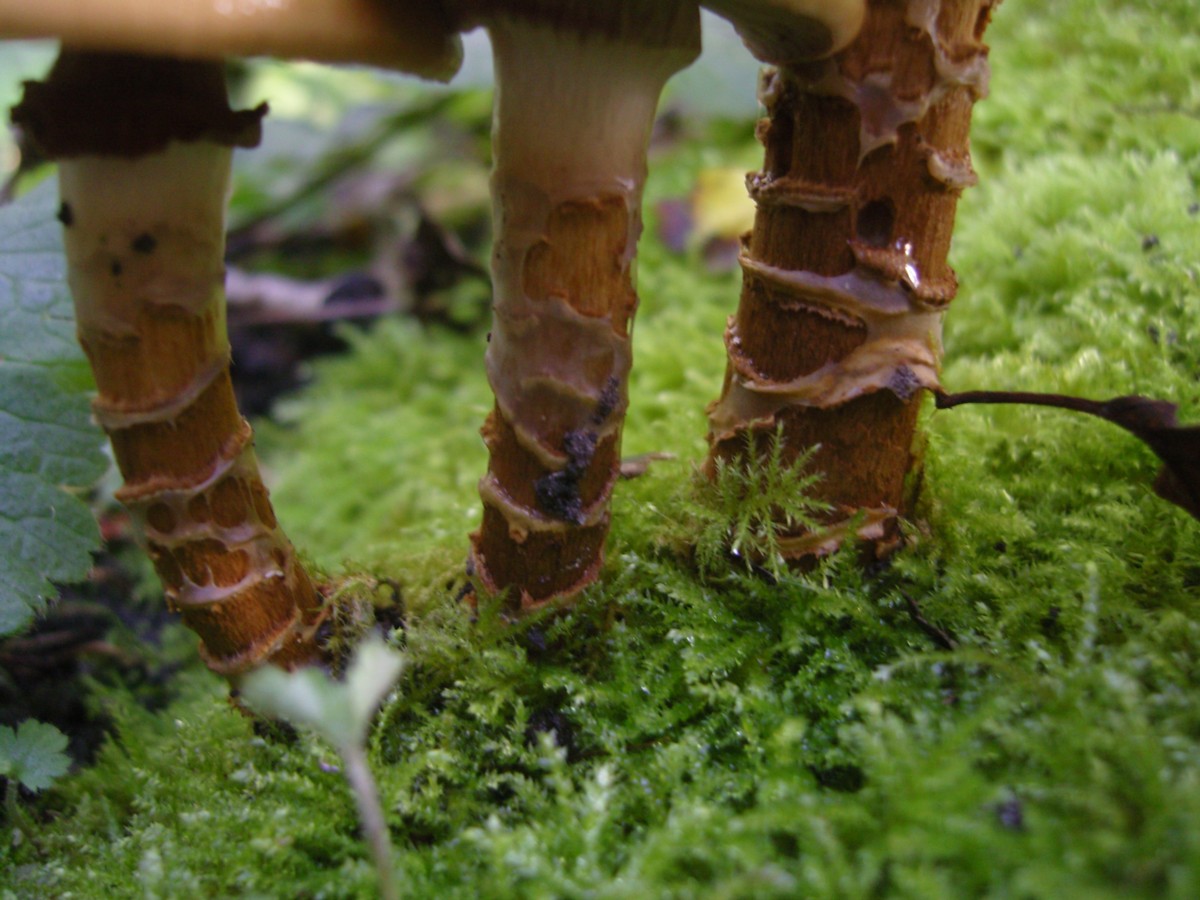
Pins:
<point x="845" y="273"/>
<point x="577" y="88"/>
<point x="144" y="148"/>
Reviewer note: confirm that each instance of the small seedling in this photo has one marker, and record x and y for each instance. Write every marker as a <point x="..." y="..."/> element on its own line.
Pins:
<point x="340" y="712"/>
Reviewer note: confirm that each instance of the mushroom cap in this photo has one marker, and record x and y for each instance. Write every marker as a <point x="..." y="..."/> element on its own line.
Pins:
<point x="650" y="23"/>
<point x="413" y="36"/>
<point x="784" y="32"/>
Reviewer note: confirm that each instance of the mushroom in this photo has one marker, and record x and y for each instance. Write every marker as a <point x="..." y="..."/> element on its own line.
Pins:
<point x="577" y="86"/>
<point x="144" y="145"/>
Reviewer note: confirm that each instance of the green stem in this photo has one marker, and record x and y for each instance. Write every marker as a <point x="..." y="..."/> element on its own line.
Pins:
<point x="370" y="814"/>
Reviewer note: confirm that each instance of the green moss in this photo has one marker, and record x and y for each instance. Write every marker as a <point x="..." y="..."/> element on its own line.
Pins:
<point x="381" y="455"/>
<point x="1006" y="710"/>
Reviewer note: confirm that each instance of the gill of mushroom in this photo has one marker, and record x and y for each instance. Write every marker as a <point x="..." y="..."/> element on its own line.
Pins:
<point x="845" y="274"/>
<point x="785" y="32"/>
<point x="143" y="145"/>
<point x="577" y="86"/>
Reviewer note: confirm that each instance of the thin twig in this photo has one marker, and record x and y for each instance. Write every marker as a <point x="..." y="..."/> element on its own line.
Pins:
<point x="1060" y="401"/>
<point x="336" y="165"/>
<point x="938" y="635"/>
<point x="260" y="298"/>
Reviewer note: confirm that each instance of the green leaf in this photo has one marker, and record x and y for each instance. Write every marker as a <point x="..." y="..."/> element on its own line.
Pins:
<point x="33" y="754"/>
<point x="307" y="698"/>
<point x="339" y="711"/>
<point x="37" y="323"/>
<point x="371" y="674"/>
<point x="47" y="441"/>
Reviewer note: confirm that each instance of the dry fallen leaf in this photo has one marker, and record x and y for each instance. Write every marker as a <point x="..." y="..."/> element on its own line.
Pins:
<point x="712" y="219"/>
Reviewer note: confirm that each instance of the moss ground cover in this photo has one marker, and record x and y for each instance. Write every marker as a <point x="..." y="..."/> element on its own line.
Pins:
<point x="1010" y="708"/>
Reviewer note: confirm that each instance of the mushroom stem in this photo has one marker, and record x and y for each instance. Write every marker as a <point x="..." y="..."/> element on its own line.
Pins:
<point x="845" y="273"/>
<point x="573" y="115"/>
<point x="144" y="148"/>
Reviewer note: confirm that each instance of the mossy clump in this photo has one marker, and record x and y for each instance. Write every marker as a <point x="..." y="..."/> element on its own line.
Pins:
<point x="1007" y="708"/>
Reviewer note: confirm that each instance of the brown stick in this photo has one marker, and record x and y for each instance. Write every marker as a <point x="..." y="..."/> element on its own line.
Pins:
<point x="143" y="196"/>
<point x="845" y="272"/>
<point x="1058" y="401"/>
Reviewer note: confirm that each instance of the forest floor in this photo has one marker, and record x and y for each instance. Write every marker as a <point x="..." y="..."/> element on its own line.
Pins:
<point x="1009" y="707"/>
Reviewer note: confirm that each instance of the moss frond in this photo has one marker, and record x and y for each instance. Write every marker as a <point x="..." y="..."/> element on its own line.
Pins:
<point x="739" y="515"/>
